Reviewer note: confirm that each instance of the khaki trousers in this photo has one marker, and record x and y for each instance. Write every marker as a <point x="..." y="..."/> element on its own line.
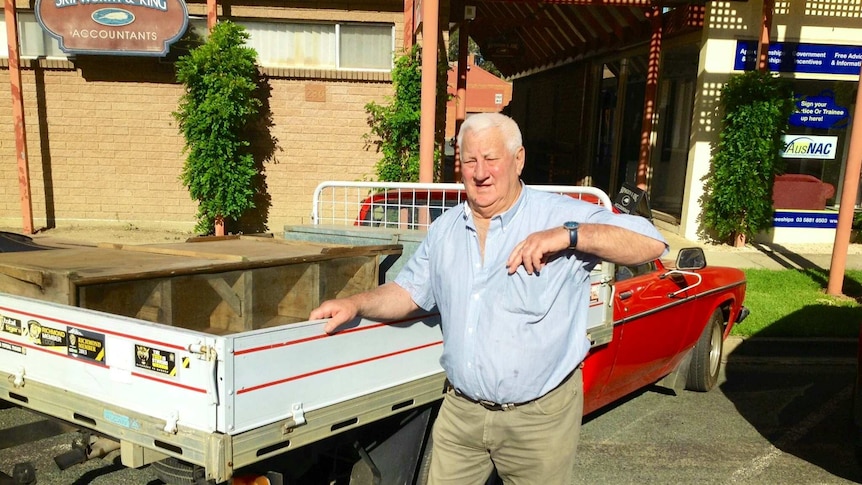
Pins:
<point x="534" y="443"/>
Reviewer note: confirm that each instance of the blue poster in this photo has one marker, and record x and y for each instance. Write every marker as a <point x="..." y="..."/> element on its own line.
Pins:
<point x="820" y="112"/>
<point x="796" y="57"/>
<point x="812" y="220"/>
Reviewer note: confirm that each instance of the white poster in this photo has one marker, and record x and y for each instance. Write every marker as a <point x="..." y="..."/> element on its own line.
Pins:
<point x="809" y="146"/>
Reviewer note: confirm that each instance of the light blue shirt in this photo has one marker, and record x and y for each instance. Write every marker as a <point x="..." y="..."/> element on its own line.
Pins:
<point x="508" y="338"/>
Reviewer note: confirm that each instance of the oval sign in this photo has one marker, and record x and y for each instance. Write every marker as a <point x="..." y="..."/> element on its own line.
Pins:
<point x="113" y="17"/>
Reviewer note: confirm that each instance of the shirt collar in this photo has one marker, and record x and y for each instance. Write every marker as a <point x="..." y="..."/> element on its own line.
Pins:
<point x="506" y="217"/>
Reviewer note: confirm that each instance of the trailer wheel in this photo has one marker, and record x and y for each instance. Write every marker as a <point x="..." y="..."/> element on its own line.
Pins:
<point x="177" y="472"/>
<point x="706" y="359"/>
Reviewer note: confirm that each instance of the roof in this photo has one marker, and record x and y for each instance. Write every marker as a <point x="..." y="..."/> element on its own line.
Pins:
<point x="521" y="37"/>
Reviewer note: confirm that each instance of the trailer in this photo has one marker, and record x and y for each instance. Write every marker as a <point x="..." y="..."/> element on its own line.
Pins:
<point x="199" y="356"/>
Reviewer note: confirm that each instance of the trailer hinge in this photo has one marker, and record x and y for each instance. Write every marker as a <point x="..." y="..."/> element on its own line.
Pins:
<point x="18" y="377"/>
<point x="204" y="351"/>
<point x="297" y="419"/>
<point x="171" y="422"/>
<point x="209" y="354"/>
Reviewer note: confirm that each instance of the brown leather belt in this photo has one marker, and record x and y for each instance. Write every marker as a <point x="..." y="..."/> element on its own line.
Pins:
<point x="493" y="406"/>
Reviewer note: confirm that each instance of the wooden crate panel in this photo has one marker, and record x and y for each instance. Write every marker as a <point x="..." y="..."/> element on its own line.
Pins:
<point x="218" y="286"/>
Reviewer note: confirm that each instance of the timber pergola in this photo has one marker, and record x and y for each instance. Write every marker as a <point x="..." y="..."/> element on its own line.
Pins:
<point x="522" y="37"/>
<point x="525" y="37"/>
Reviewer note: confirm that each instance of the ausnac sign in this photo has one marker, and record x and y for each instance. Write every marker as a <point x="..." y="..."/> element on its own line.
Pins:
<point x="809" y="146"/>
<point x="114" y="27"/>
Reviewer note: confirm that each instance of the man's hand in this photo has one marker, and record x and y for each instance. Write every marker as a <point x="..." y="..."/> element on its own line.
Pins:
<point x="338" y="312"/>
<point x="385" y="302"/>
<point x="533" y="252"/>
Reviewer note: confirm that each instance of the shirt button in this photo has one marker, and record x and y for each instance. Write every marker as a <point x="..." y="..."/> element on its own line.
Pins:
<point x="475" y="296"/>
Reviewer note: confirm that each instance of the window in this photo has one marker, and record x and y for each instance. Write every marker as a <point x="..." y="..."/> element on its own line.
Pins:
<point x="365" y="46"/>
<point x="35" y="41"/>
<point x="322" y="46"/>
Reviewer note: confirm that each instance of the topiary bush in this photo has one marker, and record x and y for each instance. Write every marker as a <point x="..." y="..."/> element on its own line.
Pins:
<point x="219" y="103"/>
<point x="737" y="200"/>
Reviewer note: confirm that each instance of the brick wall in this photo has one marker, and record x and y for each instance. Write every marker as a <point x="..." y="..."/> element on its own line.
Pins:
<point x="104" y="147"/>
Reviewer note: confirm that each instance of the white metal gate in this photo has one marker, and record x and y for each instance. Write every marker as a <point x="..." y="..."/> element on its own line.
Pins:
<point x="401" y="205"/>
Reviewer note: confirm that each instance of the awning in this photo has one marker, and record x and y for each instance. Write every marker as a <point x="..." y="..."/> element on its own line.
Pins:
<point x="521" y="37"/>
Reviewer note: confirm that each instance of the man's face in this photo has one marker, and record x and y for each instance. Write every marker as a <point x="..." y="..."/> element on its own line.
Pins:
<point x="491" y="174"/>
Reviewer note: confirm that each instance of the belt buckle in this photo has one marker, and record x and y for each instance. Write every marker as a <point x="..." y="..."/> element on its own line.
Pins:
<point x="491" y="406"/>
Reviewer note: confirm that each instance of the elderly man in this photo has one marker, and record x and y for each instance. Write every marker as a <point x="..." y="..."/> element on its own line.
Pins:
<point x="509" y="274"/>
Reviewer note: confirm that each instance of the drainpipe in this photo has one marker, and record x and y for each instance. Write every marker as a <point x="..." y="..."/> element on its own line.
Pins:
<point x="18" y="117"/>
<point x="848" y="201"/>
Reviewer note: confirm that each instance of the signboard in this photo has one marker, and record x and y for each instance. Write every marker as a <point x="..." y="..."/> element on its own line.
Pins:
<point x="633" y="200"/>
<point x="811" y="220"/>
<point x="809" y="146"/>
<point x="820" y="112"/>
<point x="118" y="27"/>
<point x="796" y="57"/>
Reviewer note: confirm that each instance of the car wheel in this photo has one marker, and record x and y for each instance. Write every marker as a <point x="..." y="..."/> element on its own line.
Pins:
<point x="706" y="357"/>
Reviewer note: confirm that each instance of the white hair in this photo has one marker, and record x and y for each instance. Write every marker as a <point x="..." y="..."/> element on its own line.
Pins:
<point x="506" y="126"/>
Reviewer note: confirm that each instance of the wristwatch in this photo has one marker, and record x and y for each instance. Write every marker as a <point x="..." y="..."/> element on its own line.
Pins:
<point x="572" y="227"/>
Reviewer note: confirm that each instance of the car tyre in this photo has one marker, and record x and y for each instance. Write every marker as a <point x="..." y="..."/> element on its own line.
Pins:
<point x="706" y="357"/>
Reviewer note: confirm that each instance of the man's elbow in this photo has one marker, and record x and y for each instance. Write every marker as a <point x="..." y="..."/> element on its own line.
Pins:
<point x="655" y="249"/>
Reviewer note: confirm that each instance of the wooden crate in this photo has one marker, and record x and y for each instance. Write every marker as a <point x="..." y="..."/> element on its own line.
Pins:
<point x="217" y="285"/>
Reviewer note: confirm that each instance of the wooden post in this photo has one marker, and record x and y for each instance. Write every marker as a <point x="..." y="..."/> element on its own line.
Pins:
<point x="650" y="95"/>
<point x="428" y="102"/>
<point x="763" y="43"/>
<point x="461" y="96"/>
<point x="18" y="118"/>
<point x="212" y="14"/>
<point x="848" y="201"/>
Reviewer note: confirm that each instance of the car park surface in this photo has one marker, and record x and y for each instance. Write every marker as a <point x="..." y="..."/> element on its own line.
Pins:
<point x="780" y="414"/>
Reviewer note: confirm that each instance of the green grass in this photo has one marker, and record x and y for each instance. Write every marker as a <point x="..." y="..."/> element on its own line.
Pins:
<point x="794" y="303"/>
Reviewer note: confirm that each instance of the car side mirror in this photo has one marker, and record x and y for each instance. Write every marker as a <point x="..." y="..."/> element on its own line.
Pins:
<point x="690" y="258"/>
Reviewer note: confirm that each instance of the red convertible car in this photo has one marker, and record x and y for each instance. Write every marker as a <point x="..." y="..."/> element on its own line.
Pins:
<point x="659" y="322"/>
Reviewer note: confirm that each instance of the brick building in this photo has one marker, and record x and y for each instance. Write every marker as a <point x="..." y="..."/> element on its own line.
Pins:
<point x="104" y="148"/>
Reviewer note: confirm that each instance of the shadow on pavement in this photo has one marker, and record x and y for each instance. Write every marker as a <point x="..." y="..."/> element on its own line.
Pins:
<point x="784" y="257"/>
<point x="797" y="394"/>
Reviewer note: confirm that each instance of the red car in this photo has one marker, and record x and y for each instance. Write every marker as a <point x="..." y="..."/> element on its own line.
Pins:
<point x="659" y="321"/>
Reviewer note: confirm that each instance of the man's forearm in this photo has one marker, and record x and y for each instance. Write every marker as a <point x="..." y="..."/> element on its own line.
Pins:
<point x="386" y="302"/>
<point x="618" y="245"/>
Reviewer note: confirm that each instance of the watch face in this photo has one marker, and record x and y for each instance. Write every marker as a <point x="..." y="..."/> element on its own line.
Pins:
<point x="570" y="225"/>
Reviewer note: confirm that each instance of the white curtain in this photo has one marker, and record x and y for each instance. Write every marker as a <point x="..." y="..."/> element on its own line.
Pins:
<point x="293" y="44"/>
<point x="365" y="46"/>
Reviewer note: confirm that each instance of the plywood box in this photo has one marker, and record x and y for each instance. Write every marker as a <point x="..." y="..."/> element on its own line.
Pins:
<point x="217" y="285"/>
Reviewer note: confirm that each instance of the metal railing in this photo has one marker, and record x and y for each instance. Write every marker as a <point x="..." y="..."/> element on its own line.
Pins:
<point x="406" y="205"/>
